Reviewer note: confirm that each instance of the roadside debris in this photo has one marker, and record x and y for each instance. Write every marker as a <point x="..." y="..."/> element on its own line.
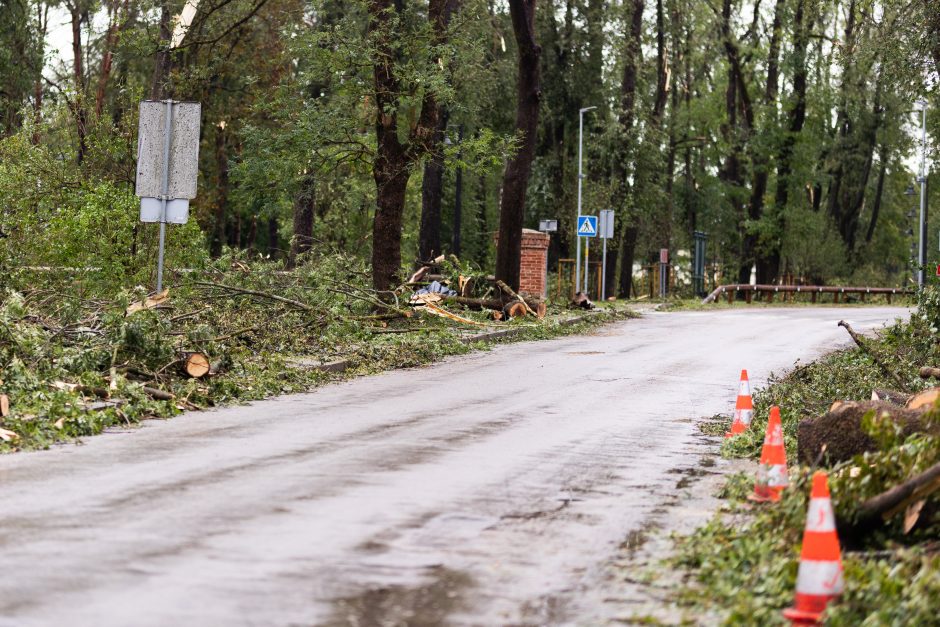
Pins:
<point x="581" y="300"/>
<point x="881" y="460"/>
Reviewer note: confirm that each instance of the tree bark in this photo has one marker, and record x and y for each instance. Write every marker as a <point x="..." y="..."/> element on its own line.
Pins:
<point x="768" y="260"/>
<point x="394" y="158"/>
<point x="161" y="67"/>
<point x="516" y="177"/>
<point x="78" y="15"/>
<point x="221" y="204"/>
<point x="432" y="187"/>
<point x="304" y="209"/>
<point x="796" y="119"/>
<point x="879" y="192"/>
<point x="629" y="221"/>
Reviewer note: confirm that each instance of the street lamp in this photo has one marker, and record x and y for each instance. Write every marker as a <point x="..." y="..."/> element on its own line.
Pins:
<point x="922" y="179"/>
<point x="577" y="261"/>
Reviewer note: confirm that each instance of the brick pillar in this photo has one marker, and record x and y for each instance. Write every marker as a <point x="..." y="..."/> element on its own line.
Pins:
<point x="533" y="270"/>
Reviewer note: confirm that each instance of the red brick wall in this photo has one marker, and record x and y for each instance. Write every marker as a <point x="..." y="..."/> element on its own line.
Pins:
<point x="534" y="263"/>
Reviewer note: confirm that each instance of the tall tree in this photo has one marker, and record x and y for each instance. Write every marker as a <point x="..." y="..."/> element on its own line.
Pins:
<point x="395" y="156"/>
<point x="516" y="177"/>
<point x="632" y="55"/>
<point x="432" y="185"/>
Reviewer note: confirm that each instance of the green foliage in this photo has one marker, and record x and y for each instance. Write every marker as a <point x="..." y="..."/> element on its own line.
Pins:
<point x="54" y="218"/>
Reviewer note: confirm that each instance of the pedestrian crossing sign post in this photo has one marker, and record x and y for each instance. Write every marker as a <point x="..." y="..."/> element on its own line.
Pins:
<point x="587" y="226"/>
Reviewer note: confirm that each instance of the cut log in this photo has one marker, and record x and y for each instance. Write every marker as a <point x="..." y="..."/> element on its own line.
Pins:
<point x="515" y="309"/>
<point x="512" y="294"/>
<point x="925" y="399"/>
<point x="496" y="314"/>
<point x="890" y="396"/>
<point x="837" y="435"/>
<point x="478" y="304"/>
<point x="929" y="373"/>
<point x="4" y="405"/>
<point x="196" y="365"/>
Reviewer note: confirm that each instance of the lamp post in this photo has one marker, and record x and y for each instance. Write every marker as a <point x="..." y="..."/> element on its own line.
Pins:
<point x="922" y="179"/>
<point x="909" y="192"/>
<point x="577" y="261"/>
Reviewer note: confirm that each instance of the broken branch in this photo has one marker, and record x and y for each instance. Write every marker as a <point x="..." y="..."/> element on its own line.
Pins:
<point x="868" y="351"/>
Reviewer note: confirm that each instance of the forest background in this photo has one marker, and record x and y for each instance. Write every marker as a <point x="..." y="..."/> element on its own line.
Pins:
<point x="785" y="129"/>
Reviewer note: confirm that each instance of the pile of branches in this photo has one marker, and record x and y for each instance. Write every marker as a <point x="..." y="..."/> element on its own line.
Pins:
<point x="446" y="281"/>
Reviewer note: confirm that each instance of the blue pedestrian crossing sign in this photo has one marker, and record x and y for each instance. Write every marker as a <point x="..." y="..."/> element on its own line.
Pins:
<point x="587" y="226"/>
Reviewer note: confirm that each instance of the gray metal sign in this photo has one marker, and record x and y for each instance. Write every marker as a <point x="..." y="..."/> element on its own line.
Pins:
<point x="179" y="159"/>
<point x="605" y="225"/>
<point x="167" y="164"/>
<point x="548" y="226"/>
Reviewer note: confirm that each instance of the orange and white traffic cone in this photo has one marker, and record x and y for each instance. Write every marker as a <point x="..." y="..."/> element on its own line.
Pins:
<point x="819" y="579"/>
<point x="772" y="472"/>
<point x="743" y="408"/>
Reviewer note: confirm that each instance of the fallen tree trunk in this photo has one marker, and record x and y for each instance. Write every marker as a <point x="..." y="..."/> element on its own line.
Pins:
<point x="890" y="396"/>
<point x="889" y="503"/>
<point x="837" y="435"/>
<point x="158" y="395"/>
<point x="909" y="497"/>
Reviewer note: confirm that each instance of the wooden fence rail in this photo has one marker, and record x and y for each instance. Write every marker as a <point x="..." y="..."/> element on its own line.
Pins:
<point x="770" y="291"/>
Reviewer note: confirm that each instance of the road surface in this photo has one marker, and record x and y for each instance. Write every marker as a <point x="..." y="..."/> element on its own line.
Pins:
<point x="486" y="489"/>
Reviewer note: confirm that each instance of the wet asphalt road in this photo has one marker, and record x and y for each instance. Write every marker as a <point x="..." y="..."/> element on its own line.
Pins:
<point x="487" y="489"/>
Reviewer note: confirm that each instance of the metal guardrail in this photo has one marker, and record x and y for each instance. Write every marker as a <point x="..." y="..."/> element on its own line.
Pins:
<point x="813" y="290"/>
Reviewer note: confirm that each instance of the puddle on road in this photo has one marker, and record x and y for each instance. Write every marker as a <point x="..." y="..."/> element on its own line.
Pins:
<point x="415" y="606"/>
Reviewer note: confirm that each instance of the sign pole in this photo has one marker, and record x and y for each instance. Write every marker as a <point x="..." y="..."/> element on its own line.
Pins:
<point x="922" y="251"/>
<point x="577" y="257"/>
<point x="587" y="255"/>
<point x="165" y="189"/>
<point x="604" y="273"/>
